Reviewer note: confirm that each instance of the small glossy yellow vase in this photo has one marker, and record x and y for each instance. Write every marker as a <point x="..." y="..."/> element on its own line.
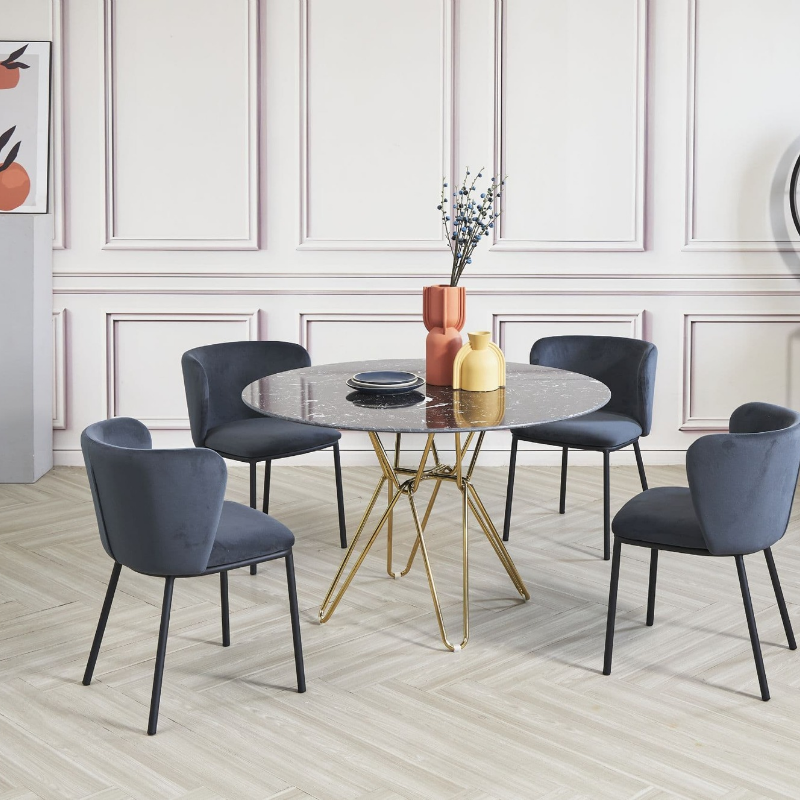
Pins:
<point x="480" y="365"/>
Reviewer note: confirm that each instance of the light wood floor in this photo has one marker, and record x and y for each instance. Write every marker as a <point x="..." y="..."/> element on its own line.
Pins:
<point x="522" y="712"/>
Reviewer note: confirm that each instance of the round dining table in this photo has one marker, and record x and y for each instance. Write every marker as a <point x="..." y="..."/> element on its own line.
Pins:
<point x="320" y="395"/>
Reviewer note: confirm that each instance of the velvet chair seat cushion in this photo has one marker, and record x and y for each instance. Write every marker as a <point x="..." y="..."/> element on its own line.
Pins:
<point x="245" y="533"/>
<point x="661" y="516"/>
<point x="268" y="438"/>
<point x="599" y="429"/>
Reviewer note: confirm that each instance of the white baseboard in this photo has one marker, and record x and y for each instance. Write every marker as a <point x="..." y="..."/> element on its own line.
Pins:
<point x="549" y="457"/>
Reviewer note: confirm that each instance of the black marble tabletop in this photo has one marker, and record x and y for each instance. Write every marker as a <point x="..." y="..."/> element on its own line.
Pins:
<point x="320" y="396"/>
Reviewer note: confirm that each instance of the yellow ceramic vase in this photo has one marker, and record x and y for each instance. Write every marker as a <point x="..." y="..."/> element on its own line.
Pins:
<point x="480" y="365"/>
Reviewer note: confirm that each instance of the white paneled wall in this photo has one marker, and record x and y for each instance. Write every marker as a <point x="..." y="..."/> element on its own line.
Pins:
<point x="515" y="332"/>
<point x="742" y="114"/>
<point x="571" y="100"/>
<point x="142" y="345"/>
<point x="740" y="351"/>
<point x="241" y="169"/>
<point x="377" y="121"/>
<point x="181" y="173"/>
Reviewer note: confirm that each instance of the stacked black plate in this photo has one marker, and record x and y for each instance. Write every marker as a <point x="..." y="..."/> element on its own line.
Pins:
<point x="385" y="382"/>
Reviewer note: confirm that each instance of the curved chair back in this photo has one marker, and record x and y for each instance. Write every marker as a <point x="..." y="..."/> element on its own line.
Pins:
<point x="743" y="482"/>
<point x="214" y="377"/>
<point x="157" y="510"/>
<point x="626" y="366"/>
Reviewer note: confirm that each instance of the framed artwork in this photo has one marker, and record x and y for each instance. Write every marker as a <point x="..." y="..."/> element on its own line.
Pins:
<point x="24" y="127"/>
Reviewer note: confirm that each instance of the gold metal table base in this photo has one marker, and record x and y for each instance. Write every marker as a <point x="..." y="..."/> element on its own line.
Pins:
<point x="407" y="486"/>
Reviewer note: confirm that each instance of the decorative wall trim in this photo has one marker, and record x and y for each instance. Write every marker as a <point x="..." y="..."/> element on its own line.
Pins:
<point x="692" y="243"/>
<point x="425" y="278"/>
<point x="60" y="369"/>
<point x="690" y="422"/>
<point x="344" y="316"/>
<point x="499" y="160"/>
<point x="251" y="318"/>
<point x="385" y="276"/>
<point x="254" y="291"/>
<point x="251" y="241"/>
<point x="635" y="320"/>
<point x="57" y="122"/>
<point x="448" y="144"/>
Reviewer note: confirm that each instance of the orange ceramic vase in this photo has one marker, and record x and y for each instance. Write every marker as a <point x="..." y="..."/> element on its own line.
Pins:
<point x="443" y="311"/>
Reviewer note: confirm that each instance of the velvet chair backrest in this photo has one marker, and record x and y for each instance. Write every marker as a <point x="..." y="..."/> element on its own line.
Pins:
<point x="214" y="377"/>
<point x="626" y="366"/>
<point x="157" y="510"/>
<point x="743" y="482"/>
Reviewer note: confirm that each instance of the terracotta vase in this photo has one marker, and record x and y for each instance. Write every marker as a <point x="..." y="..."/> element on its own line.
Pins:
<point x="480" y="365"/>
<point x="443" y="311"/>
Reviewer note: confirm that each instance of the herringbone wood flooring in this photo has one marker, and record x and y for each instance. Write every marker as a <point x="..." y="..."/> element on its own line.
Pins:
<point x="522" y="712"/>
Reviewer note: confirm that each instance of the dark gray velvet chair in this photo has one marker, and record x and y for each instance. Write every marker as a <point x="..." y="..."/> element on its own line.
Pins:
<point x="163" y="513"/>
<point x="628" y="368"/>
<point x="214" y="377"/>
<point x="741" y="488"/>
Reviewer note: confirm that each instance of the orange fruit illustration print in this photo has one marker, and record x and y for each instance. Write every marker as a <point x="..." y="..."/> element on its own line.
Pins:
<point x="15" y="184"/>
<point x="9" y="69"/>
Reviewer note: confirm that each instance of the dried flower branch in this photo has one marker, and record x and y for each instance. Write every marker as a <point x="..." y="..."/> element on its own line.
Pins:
<point x="472" y="217"/>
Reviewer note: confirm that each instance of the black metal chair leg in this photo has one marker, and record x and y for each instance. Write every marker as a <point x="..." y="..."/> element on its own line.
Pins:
<point x="640" y="465"/>
<point x="161" y="655"/>
<point x="651" y="589"/>
<point x="606" y="505"/>
<point x="751" y="626"/>
<point x="337" y="468"/>
<point x="295" y="616"/>
<point x="267" y="476"/>
<point x="226" y="614"/>
<point x="253" y="466"/>
<point x="512" y="468"/>
<point x="776" y="585"/>
<point x="253" y="476"/>
<point x="101" y="625"/>
<point x="562" y="500"/>
<point x="612" y="607"/>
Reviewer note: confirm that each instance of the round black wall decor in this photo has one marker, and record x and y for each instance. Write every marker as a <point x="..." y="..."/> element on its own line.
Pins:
<point x="793" y="194"/>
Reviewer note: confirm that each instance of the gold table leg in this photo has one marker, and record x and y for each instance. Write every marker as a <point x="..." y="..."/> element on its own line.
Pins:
<point x="391" y="474"/>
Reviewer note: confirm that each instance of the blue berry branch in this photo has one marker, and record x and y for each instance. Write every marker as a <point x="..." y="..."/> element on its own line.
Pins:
<point x="472" y="217"/>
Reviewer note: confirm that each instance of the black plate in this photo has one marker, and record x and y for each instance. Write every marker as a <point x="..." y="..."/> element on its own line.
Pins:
<point x="384" y="377"/>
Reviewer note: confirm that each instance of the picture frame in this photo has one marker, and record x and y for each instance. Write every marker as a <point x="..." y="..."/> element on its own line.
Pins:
<point x="25" y="86"/>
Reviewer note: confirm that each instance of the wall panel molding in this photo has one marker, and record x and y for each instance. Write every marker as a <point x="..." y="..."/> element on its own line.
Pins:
<point x="446" y="89"/>
<point x="211" y="242"/>
<point x="60" y="369"/>
<point x="306" y="319"/>
<point x="634" y="319"/>
<point x="57" y="122"/>
<point x="250" y="319"/>
<point x="692" y="242"/>
<point x="690" y="377"/>
<point x="503" y="293"/>
<point x="500" y="242"/>
<point x="338" y="336"/>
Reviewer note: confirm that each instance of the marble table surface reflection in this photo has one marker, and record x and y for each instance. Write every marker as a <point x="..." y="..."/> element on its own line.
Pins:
<point x="319" y="396"/>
